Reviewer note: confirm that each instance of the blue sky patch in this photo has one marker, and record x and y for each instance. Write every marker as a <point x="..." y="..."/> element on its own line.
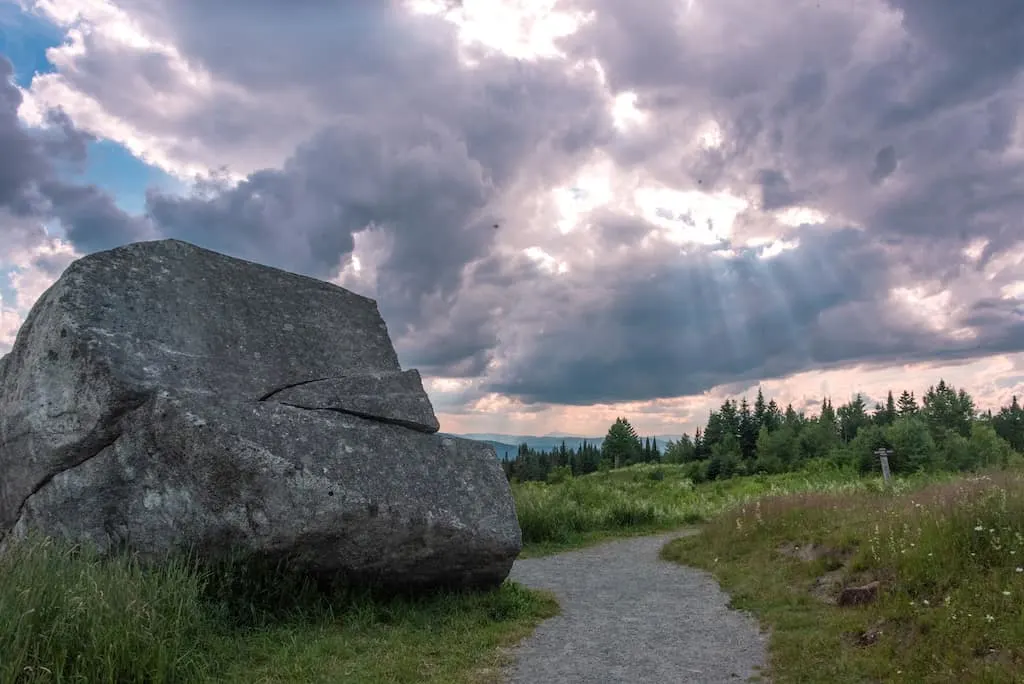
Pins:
<point x="112" y="167"/>
<point x="24" y="40"/>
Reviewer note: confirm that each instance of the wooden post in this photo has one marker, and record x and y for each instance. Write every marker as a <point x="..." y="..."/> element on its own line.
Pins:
<point x="883" y="456"/>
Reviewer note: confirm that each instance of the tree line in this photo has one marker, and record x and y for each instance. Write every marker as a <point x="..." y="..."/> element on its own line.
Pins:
<point x="941" y="431"/>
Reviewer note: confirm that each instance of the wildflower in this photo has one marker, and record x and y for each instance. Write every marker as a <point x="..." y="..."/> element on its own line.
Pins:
<point x="978" y="528"/>
<point x="989" y="618"/>
<point x="1006" y="593"/>
<point x="925" y="602"/>
<point x="1020" y="569"/>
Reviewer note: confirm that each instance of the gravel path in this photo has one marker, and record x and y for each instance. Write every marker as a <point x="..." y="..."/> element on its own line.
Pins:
<point x="630" y="617"/>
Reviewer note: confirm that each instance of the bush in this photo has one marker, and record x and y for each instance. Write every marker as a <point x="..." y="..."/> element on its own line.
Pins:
<point x="559" y="474"/>
<point x="696" y="471"/>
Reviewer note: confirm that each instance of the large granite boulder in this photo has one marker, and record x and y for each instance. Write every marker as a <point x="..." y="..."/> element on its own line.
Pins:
<point x="163" y="397"/>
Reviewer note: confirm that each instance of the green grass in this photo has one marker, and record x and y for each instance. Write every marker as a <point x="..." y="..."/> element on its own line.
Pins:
<point x="949" y="556"/>
<point x="646" y="499"/>
<point x="68" y="616"/>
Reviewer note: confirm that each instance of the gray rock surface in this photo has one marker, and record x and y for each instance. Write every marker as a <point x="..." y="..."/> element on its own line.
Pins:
<point x="392" y="397"/>
<point x="160" y="396"/>
<point x="629" y="617"/>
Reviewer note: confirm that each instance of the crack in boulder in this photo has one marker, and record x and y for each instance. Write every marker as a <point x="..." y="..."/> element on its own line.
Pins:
<point x="278" y="390"/>
<point x="90" y="446"/>
<point x="389" y="397"/>
<point x="359" y="414"/>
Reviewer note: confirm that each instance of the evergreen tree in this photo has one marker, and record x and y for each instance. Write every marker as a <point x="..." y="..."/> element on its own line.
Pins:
<point x="748" y="430"/>
<point x="621" y="445"/>
<point x="791" y="417"/>
<point x="760" y="411"/>
<point x="946" y="409"/>
<point x="906" y="405"/>
<point x="773" y="417"/>
<point x="1009" y="424"/>
<point x="852" y="417"/>
<point x="890" y="409"/>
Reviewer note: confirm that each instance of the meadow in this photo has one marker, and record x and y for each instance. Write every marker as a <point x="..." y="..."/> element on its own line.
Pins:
<point x="948" y="557"/>
<point x="944" y="546"/>
<point x="649" y="498"/>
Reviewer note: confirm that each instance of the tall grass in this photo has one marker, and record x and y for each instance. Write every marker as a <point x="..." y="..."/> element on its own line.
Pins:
<point x="653" y="497"/>
<point x="949" y="557"/>
<point x="68" y="615"/>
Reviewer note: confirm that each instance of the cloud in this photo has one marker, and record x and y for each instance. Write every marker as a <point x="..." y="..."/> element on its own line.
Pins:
<point x="32" y="191"/>
<point x="804" y="184"/>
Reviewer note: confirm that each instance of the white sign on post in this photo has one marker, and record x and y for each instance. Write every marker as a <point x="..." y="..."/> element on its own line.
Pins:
<point x="883" y="456"/>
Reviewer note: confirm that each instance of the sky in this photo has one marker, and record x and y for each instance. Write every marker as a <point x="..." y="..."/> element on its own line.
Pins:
<point x="693" y="198"/>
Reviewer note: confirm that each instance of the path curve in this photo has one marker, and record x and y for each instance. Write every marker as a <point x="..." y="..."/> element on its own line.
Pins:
<point x="630" y="617"/>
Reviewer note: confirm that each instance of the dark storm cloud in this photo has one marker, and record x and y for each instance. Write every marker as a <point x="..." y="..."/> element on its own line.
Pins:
<point x="775" y="190"/>
<point x="885" y="164"/>
<point x="426" y="152"/>
<point x="22" y="163"/>
<point x="825" y="137"/>
<point x="30" y="187"/>
<point x="704" y="321"/>
<point x="825" y="105"/>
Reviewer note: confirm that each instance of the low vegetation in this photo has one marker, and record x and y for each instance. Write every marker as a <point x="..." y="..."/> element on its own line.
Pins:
<point x="647" y="498"/>
<point x="948" y="558"/>
<point x="67" y="616"/>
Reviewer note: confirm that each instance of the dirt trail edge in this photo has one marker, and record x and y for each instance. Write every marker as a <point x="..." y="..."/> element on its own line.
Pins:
<point x="630" y="617"/>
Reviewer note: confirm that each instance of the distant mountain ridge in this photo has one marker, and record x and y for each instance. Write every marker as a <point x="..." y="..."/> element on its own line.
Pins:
<point x="507" y="446"/>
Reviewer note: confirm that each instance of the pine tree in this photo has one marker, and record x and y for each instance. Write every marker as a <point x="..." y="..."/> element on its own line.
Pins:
<point x="621" y="445"/>
<point x="773" y="417"/>
<point x="907" y="405"/>
<point x="890" y="409"/>
<point x="760" y="411"/>
<point x="749" y="428"/>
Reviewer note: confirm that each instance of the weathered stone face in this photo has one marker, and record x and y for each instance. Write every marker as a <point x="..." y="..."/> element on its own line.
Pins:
<point x="163" y="397"/>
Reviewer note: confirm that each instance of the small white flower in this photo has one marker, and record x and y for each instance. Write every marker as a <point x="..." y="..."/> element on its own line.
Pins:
<point x="989" y="618"/>
<point x="925" y="602"/>
<point x="979" y="528"/>
<point x="1020" y="569"/>
<point x="1006" y="593"/>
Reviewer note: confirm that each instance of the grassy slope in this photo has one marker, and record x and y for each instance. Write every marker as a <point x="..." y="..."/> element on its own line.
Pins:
<point x="70" y="617"/>
<point x="949" y="557"/>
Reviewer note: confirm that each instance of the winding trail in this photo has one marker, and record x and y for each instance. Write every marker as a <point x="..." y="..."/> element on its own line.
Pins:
<point x="630" y="617"/>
